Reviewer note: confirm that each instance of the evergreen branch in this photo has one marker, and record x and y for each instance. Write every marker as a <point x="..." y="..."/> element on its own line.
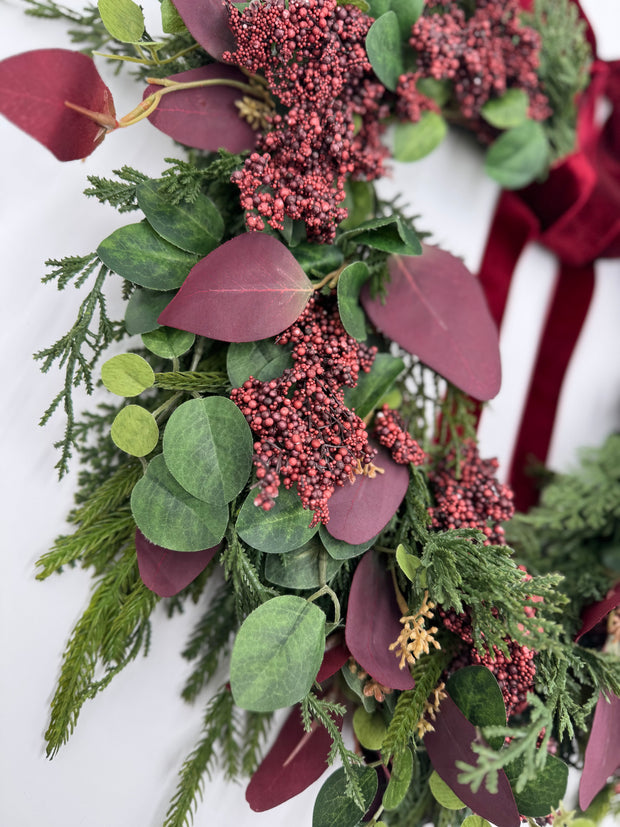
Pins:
<point x="213" y="382"/>
<point x="239" y="570"/>
<point x="119" y="194"/>
<point x="183" y="181"/>
<point x="255" y="732"/>
<point x="110" y="495"/>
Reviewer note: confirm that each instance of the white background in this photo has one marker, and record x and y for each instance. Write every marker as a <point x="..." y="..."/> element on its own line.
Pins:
<point x="120" y="766"/>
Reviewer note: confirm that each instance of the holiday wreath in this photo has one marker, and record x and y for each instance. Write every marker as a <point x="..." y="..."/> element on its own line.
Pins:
<point x="299" y="453"/>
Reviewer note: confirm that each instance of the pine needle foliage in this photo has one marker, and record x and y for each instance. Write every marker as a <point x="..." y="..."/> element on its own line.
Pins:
<point x="183" y="181"/>
<point x="242" y="573"/>
<point x="203" y="382"/>
<point x="119" y="194"/>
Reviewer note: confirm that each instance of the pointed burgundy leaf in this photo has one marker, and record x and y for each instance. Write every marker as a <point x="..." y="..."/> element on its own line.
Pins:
<point x="334" y="659"/>
<point x="436" y="310"/>
<point x="602" y="756"/>
<point x="373" y="623"/>
<point x="361" y="510"/>
<point x="33" y="89"/>
<point x="295" y="761"/>
<point x="167" y="572"/>
<point x="593" y="614"/>
<point x="249" y="288"/>
<point x="207" y="21"/>
<point x="450" y="742"/>
<point x="204" y="117"/>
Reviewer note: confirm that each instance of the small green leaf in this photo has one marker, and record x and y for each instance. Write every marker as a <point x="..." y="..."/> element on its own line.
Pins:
<point x="400" y="779"/>
<point x="334" y="808"/>
<point x="123" y="19"/>
<point x="135" y="431"/>
<point x="413" y="141"/>
<point x="277" y="654"/>
<point x="208" y="448"/>
<point x="264" y="360"/>
<point x="475" y="821"/>
<point x="359" y="203"/>
<point x="407" y="11"/>
<point x="543" y="793"/>
<point x="137" y="253"/>
<point x="169" y="516"/>
<point x="507" y="111"/>
<point x="383" y="46"/>
<point x="339" y="549"/>
<point x="127" y="374"/>
<point x="350" y="283"/>
<point x="171" y="21"/>
<point x="196" y="227"/>
<point x="389" y="234"/>
<point x="408" y="563"/>
<point x="369" y="728"/>
<point x="143" y="309"/>
<point x="318" y="259"/>
<point x="372" y="387"/>
<point x="300" y="569"/>
<point x="518" y="156"/>
<point x="168" y="342"/>
<point x="378" y="7"/>
<point x="282" y="529"/>
<point x="476" y="692"/>
<point x="443" y="794"/>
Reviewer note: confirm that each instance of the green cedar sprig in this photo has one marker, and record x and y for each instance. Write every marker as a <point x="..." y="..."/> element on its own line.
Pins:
<point x="119" y="194"/>
<point x="203" y="382"/>
<point x="242" y="573"/>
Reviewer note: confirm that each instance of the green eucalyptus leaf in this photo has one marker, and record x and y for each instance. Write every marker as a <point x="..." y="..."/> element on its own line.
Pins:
<point x="383" y="46"/>
<point x="318" y="259"/>
<point x="408" y="563"/>
<point x="135" y="431"/>
<point x="282" y="529"/>
<point x="277" y="654"/>
<point x="264" y="360"/>
<point x="352" y="314"/>
<point x="439" y="90"/>
<point x="407" y="12"/>
<point x="335" y="808"/>
<point x="518" y="156"/>
<point x="127" y="374"/>
<point x="208" y="448"/>
<point x="370" y="728"/>
<point x="372" y="387"/>
<point x="168" y="342"/>
<point x="443" y="793"/>
<point x="123" y="19"/>
<point x="413" y="141"/>
<point x="169" y="516"/>
<point x="137" y="253"/>
<point x="171" y="20"/>
<point x="359" y="203"/>
<point x="476" y="692"/>
<point x="378" y="7"/>
<point x="475" y="821"/>
<point x="356" y="685"/>
<point x="300" y="569"/>
<point x="389" y="234"/>
<point x="508" y="111"/>
<point x="196" y="227"/>
<point x="400" y="779"/>
<point x="339" y="549"/>
<point x="143" y="309"/>
<point x="543" y="793"/>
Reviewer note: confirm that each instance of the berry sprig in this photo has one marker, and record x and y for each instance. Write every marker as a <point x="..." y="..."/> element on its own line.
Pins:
<point x="390" y="431"/>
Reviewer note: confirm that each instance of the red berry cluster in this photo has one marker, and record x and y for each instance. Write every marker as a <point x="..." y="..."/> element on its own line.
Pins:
<point x="313" y="57"/>
<point x="475" y="500"/>
<point x="309" y="438"/>
<point x="390" y="431"/>
<point x="482" y="56"/>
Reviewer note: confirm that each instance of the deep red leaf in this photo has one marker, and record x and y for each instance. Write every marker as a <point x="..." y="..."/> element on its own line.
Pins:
<point x="602" y="756"/>
<point x="33" y="89"/>
<point x="359" y="511"/>
<point x="450" y="742"/>
<point x="207" y="21"/>
<point x="247" y="289"/>
<point x="594" y="613"/>
<point x="436" y="310"/>
<point x="204" y="117"/>
<point x="295" y="761"/>
<point x="167" y="572"/>
<point x="373" y="623"/>
<point x="334" y="659"/>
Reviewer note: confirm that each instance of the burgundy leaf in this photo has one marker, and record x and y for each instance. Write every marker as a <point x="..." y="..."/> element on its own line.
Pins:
<point x="451" y="742"/>
<point x="435" y="309"/>
<point x="33" y="89"/>
<point x="207" y="21"/>
<point x="359" y="511"/>
<point x="295" y="761"/>
<point x="334" y="659"/>
<point x="205" y="117"/>
<point x="247" y="289"/>
<point x="602" y="756"/>
<point x="167" y="572"/>
<point x="593" y="614"/>
<point x="373" y="623"/>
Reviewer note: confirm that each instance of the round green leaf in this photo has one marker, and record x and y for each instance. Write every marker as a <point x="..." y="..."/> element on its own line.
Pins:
<point x="443" y="794"/>
<point x="543" y="793"/>
<point x="507" y="111"/>
<point x="300" y="569"/>
<point x="135" y="431"/>
<point x="372" y="387"/>
<point x="476" y="821"/>
<point x="408" y="563"/>
<point x="123" y="19"/>
<point x="168" y="342"/>
<point x="127" y="374"/>
<point x="369" y="728"/>
<point x="169" y="516"/>
<point x="518" y="156"/>
<point x="352" y="314"/>
<point x="264" y="360"/>
<point x="383" y="46"/>
<point x="277" y="654"/>
<point x="476" y="692"/>
<point x="208" y="449"/>
<point x="334" y="808"/>
<point x="282" y="529"/>
<point x="143" y="309"/>
<point x="400" y="779"/>
<point x="171" y="20"/>
<point x="413" y="141"/>
<point x="339" y="549"/>
<point x="407" y="11"/>
<point x="318" y="259"/>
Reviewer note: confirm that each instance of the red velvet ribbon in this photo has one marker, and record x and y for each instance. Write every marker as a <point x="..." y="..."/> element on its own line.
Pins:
<point x="576" y="214"/>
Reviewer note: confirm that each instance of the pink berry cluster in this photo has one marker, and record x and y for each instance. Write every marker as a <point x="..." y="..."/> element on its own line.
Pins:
<point x="312" y="54"/>
<point x="304" y="433"/>
<point x="475" y="500"/>
<point x="482" y="55"/>
<point x="390" y="431"/>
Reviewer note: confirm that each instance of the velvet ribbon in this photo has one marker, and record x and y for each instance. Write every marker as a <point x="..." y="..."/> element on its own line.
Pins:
<point x="575" y="213"/>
